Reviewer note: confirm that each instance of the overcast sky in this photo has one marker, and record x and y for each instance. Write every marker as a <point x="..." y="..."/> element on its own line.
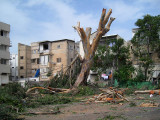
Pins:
<point x="38" y="20"/>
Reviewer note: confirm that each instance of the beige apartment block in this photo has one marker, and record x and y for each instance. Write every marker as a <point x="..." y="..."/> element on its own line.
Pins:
<point x="55" y="56"/>
<point x="4" y="53"/>
<point x="24" y="61"/>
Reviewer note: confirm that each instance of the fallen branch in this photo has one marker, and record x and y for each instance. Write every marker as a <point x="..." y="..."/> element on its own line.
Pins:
<point x="42" y="88"/>
<point x="148" y="92"/>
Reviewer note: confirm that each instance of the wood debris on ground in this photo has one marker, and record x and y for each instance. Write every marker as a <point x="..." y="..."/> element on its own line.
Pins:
<point x="149" y="105"/>
<point x="148" y="92"/>
<point x="108" y="95"/>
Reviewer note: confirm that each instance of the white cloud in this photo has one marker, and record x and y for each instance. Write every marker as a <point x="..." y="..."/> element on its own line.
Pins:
<point x="27" y="29"/>
<point x="124" y="11"/>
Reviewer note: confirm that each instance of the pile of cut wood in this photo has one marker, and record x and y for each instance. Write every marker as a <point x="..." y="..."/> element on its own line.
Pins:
<point x="108" y="95"/>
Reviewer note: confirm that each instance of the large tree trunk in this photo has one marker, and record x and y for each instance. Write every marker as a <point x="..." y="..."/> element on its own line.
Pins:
<point x="85" y="69"/>
<point x="89" y="49"/>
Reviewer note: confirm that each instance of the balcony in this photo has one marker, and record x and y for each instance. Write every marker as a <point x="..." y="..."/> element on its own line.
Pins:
<point x="49" y="65"/>
<point x="4" y="68"/>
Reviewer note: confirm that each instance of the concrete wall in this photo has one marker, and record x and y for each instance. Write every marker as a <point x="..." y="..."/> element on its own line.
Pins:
<point x="4" y="53"/>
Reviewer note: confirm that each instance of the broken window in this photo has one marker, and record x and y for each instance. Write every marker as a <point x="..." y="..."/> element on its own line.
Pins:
<point x="21" y="57"/>
<point x="21" y="67"/>
<point x="22" y="76"/>
<point x="58" y="60"/>
<point x="33" y="60"/>
<point x="45" y="46"/>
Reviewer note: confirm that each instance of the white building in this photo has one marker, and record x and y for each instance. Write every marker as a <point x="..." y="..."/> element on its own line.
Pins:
<point x="14" y="67"/>
<point x="4" y="53"/>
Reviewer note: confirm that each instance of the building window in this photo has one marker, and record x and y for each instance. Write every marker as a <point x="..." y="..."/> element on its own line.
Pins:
<point x="58" y="60"/>
<point x="45" y="46"/>
<point x="58" y="46"/>
<point x="3" y="47"/>
<point x="71" y="47"/>
<point x="13" y="57"/>
<point x="22" y="76"/>
<point x="38" y="60"/>
<point x="21" y="57"/>
<point x="1" y="33"/>
<point x="12" y="67"/>
<point x="34" y="51"/>
<point x="71" y="59"/>
<point x="21" y="67"/>
<point x="4" y="33"/>
<point x="33" y="60"/>
<point x="3" y="61"/>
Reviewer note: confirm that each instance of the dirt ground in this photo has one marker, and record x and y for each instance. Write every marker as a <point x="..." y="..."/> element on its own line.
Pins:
<point x="103" y="111"/>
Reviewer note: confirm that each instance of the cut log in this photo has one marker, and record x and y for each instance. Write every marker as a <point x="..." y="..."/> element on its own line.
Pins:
<point x="148" y="92"/>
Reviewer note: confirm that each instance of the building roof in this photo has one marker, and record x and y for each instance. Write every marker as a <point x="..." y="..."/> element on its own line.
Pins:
<point x="56" y="40"/>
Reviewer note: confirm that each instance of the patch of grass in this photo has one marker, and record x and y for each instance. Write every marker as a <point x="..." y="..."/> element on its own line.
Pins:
<point x="85" y="91"/>
<point x="110" y="117"/>
<point x="113" y="108"/>
<point x="132" y="104"/>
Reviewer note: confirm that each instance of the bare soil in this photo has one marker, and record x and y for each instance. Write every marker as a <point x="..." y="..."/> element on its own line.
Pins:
<point x="102" y="111"/>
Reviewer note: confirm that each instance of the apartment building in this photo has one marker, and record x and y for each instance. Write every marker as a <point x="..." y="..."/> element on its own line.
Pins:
<point x="24" y="61"/>
<point x="14" y="67"/>
<point x="45" y="57"/>
<point x="55" y="56"/>
<point x="4" y="53"/>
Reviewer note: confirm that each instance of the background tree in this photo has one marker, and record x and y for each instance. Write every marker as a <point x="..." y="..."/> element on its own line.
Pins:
<point x="146" y="41"/>
<point x="114" y="55"/>
<point x="89" y="49"/>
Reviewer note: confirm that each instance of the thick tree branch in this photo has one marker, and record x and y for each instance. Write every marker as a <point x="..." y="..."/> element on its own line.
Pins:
<point x="101" y="25"/>
<point x="109" y="24"/>
<point x="107" y="16"/>
<point x="88" y="34"/>
<point x="84" y="41"/>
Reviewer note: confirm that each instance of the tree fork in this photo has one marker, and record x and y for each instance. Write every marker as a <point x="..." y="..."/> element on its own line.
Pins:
<point x="89" y="49"/>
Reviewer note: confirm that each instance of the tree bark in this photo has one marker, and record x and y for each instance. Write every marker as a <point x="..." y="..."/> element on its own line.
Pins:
<point x="89" y="49"/>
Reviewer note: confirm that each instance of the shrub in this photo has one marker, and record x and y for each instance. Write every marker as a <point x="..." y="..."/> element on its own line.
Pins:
<point x="85" y="90"/>
<point x="11" y="100"/>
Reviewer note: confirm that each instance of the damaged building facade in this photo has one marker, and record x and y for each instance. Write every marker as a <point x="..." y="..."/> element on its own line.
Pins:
<point x="50" y="57"/>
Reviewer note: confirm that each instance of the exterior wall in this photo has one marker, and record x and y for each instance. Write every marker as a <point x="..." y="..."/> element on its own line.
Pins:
<point x="24" y="61"/>
<point x="35" y="57"/>
<point x="4" y="53"/>
<point x="14" y="67"/>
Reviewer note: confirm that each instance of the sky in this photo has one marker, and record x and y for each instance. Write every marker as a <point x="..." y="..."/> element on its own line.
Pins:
<point x="39" y="20"/>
